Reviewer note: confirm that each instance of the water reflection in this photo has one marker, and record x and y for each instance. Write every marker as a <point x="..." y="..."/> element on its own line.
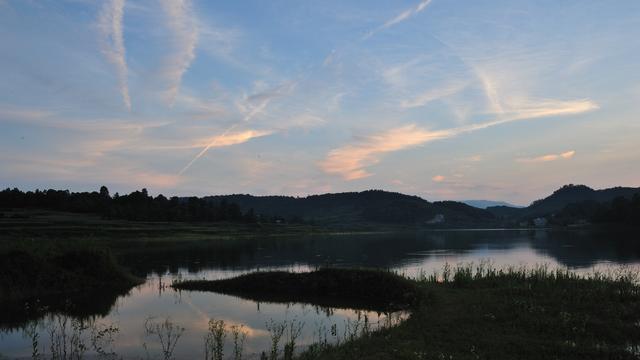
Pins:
<point x="408" y="253"/>
<point x="152" y="304"/>
<point x="570" y="248"/>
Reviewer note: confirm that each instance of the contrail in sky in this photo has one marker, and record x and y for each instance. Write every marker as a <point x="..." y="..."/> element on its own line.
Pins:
<point x="110" y="23"/>
<point x="213" y="142"/>
<point x="263" y="99"/>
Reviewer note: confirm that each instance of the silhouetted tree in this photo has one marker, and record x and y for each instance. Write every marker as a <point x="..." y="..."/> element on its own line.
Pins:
<point x="137" y="205"/>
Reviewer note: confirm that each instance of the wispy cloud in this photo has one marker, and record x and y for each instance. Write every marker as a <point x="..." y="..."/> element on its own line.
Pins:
<point x="227" y="139"/>
<point x="400" y="17"/>
<point x="330" y="58"/>
<point x="351" y="160"/>
<point x="473" y="158"/>
<point x="10" y="113"/>
<point x="201" y="108"/>
<point x="51" y="119"/>
<point x="250" y="106"/>
<point x="550" y="157"/>
<point x="302" y="121"/>
<point x="433" y="94"/>
<point x="182" y="23"/>
<point x="110" y="24"/>
<point x="548" y="107"/>
<point x="236" y="138"/>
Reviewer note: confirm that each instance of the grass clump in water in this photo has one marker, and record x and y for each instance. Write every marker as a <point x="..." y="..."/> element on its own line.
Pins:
<point x="354" y="288"/>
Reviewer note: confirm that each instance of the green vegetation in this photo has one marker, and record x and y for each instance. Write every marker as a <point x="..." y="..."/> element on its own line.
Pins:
<point x="482" y="313"/>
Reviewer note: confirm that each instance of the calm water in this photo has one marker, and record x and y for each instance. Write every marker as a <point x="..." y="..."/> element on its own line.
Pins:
<point x="407" y="253"/>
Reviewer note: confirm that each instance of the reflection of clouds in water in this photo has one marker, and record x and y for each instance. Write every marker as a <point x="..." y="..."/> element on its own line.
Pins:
<point x="202" y="323"/>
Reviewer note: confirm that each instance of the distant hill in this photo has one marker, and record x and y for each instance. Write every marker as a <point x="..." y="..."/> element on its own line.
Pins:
<point x="563" y="197"/>
<point x="483" y="204"/>
<point x="366" y="207"/>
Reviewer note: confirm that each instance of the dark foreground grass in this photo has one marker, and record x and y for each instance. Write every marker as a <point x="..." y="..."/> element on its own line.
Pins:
<point x="480" y="313"/>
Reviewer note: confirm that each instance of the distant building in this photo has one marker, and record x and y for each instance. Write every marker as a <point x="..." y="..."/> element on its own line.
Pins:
<point x="438" y="219"/>
<point x="540" y="222"/>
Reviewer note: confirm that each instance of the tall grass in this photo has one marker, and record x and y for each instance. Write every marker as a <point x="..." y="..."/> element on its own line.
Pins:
<point x="214" y="340"/>
<point x="621" y="282"/>
<point x="166" y="332"/>
<point x="239" y="337"/>
<point x="71" y="338"/>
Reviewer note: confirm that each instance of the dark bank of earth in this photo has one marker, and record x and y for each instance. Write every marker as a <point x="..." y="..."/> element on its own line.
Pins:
<point x="467" y="313"/>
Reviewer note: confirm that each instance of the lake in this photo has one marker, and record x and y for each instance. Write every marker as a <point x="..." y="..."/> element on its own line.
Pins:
<point x="408" y="253"/>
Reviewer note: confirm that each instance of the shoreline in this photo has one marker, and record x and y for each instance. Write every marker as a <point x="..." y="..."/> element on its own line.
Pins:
<point x="479" y="312"/>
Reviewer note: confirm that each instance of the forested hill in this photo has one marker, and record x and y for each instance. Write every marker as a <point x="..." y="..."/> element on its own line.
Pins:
<point x="569" y="194"/>
<point x="576" y="202"/>
<point x="568" y="205"/>
<point x="371" y="206"/>
<point x="343" y="209"/>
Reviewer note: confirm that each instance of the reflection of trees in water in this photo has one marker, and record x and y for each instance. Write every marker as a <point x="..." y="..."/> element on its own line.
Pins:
<point x="568" y="247"/>
<point x="83" y="306"/>
<point x="587" y="247"/>
<point x="388" y="250"/>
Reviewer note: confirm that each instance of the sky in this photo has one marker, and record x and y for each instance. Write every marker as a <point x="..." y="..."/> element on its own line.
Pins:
<point x="444" y="99"/>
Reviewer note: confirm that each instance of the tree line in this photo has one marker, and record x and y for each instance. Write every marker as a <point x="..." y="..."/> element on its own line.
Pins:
<point x="621" y="210"/>
<point x="136" y="206"/>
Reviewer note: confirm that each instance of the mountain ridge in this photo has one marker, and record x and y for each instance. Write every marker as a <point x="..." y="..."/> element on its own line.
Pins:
<point x="369" y="206"/>
<point x="561" y="198"/>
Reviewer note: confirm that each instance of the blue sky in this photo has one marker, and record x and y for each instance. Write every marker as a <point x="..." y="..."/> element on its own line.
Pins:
<point x="445" y="99"/>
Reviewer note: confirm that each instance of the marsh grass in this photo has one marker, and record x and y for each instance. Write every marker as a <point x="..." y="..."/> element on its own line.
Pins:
<point x="479" y="311"/>
<point x="166" y="332"/>
<point x="239" y="337"/>
<point x="70" y="338"/>
<point x="276" y="331"/>
<point x="470" y="311"/>
<point x="103" y="337"/>
<point x="343" y="288"/>
<point x="214" y="340"/>
<point x="294" y="330"/>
